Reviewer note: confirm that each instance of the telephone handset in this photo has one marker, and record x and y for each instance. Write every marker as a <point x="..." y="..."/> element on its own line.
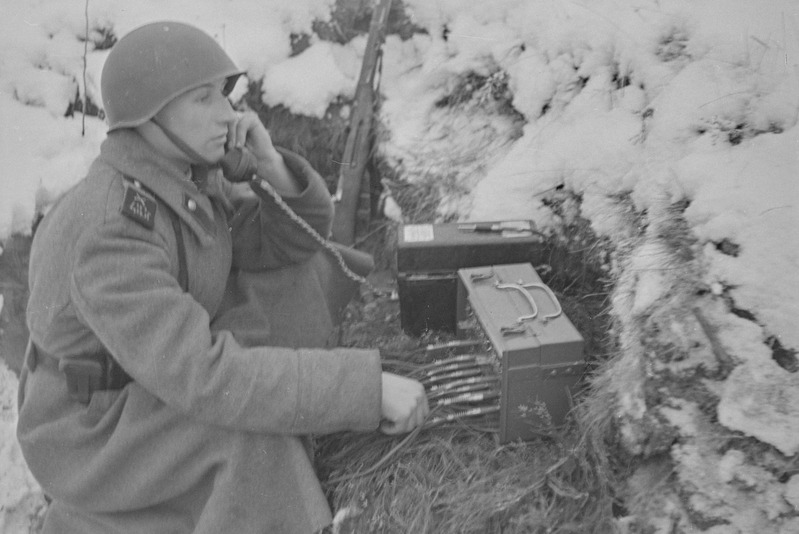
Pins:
<point x="239" y="165"/>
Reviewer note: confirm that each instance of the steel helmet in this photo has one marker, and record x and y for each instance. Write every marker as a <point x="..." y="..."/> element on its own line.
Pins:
<point x="153" y="64"/>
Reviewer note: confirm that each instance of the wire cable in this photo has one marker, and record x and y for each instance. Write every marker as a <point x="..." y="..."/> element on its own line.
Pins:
<point x="266" y="186"/>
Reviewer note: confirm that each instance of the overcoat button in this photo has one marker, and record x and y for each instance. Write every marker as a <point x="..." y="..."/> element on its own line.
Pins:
<point x="191" y="204"/>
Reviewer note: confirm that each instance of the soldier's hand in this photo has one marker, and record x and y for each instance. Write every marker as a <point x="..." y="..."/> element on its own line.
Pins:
<point x="404" y="404"/>
<point x="249" y="132"/>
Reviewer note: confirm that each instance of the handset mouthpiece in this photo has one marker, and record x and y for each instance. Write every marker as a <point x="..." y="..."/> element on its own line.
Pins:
<point x="239" y="165"/>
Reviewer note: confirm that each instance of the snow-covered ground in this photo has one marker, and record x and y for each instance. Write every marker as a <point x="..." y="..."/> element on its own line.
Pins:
<point x="636" y="105"/>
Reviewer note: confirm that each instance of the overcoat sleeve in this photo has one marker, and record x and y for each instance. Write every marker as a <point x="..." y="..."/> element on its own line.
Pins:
<point x="124" y="291"/>
<point x="265" y="236"/>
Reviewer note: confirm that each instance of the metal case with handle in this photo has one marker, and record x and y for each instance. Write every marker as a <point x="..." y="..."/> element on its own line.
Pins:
<point x="539" y="351"/>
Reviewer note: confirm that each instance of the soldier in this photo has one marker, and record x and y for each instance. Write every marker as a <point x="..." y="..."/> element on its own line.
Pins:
<point x="140" y="409"/>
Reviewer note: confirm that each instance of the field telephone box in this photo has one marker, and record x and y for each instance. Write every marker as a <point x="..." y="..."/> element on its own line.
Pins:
<point x="537" y="350"/>
<point x="429" y="256"/>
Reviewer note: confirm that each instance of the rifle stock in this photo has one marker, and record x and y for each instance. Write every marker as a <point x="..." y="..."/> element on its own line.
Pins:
<point x="358" y="148"/>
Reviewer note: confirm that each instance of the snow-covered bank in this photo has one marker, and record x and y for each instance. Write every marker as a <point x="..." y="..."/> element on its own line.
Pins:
<point x="21" y="500"/>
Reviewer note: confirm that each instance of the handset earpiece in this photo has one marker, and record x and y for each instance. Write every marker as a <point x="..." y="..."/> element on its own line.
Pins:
<point x="239" y="165"/>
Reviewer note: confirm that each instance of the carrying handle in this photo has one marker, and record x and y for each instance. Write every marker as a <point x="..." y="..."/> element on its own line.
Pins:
<point x="522" y="287"/>
<point x="559" y="311"/>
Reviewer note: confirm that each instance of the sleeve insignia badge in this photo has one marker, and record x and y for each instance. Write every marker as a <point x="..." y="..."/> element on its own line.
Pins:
<point x="139" y="206"/>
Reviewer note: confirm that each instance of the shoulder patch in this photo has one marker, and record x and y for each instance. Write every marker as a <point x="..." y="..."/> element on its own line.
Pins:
<point x="139" y="206"/>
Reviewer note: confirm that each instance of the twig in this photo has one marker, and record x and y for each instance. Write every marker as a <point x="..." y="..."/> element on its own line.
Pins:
<point x="85" y="53"/>
<point x="725" y="360"/>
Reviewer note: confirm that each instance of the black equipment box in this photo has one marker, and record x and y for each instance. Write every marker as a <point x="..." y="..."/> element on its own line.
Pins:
<point x="539" y="351"/>
<point x="429" y="256"/>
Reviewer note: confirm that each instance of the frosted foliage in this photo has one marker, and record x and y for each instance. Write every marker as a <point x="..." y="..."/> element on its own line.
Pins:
<point x="647" y="265"/>
<point x="714" y="480"/>
<point x="531" y="82"/>
<point x="792" y="492"/>
<point x="590" y="153"/>
<point x="327" y="71"/>
<point x="763" y="401"/>
<point x="747" y="197"/>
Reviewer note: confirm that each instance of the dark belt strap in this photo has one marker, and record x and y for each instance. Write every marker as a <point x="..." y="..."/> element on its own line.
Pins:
<point x="85" y="373"/>
<point x="183" y="274"/>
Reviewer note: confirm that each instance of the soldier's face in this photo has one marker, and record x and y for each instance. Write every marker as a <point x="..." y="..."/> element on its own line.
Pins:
<point x="201" y="118"/>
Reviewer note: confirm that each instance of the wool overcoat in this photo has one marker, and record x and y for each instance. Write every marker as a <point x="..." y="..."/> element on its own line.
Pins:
<point x="207" y="438"/>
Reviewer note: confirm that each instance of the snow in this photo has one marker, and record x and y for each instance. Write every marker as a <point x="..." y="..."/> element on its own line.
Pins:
<point x="656" y="101"/>
<point x="792" y="491"/>
<point x="20" y="495"/>
<point x="762" y="400"/>
<point x="308" y="82"/>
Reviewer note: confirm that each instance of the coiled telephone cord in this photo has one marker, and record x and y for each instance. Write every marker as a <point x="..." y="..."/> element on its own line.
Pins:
<point x="325" y="243"/>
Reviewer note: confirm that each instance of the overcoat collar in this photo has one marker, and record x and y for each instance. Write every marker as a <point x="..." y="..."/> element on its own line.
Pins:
<point x="129" y="153"/>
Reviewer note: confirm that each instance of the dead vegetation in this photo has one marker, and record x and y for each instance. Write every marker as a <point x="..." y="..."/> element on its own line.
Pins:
<point x="458" y="479"/>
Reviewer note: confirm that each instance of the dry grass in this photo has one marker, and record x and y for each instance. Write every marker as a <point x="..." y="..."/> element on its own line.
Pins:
<point x="457" y="479"/>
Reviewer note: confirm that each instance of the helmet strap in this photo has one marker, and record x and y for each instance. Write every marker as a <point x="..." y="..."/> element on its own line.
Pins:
<point x="181" y="144"/>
